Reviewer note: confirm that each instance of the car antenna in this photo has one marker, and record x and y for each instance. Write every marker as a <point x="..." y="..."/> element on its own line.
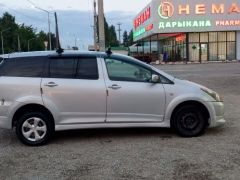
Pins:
<point x="109" y="51"/>
<point x="59" y="49"/>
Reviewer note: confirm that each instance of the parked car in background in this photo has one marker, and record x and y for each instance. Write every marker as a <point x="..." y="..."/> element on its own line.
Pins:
<point x="144" y="48"/>
<point x="44" y="92"/>
<point x="144" y="52"/>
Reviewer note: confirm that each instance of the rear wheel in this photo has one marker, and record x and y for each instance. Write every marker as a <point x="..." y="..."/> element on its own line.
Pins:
<point x="34" y="128"/>
<point x="188" y="121"/>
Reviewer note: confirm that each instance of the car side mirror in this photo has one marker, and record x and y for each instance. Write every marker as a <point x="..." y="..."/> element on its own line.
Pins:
<point x="155" y="78"/>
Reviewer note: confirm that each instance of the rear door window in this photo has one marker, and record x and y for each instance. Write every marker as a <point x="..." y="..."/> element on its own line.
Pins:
<point x="23" y="67"/>
<point x="63" y="68"/>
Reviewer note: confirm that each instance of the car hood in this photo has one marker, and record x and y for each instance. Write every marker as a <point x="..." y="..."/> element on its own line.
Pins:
<point x="189" y="84"/>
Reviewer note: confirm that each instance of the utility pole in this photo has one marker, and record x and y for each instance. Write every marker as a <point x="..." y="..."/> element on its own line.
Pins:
<point x="101" y="27"/>
<point x="119" y="33"/>
<point x="95" y="24"/>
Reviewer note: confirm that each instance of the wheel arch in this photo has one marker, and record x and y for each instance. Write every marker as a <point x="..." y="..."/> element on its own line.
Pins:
<point x="204" y="109"/>
<point x="31" y="108"/>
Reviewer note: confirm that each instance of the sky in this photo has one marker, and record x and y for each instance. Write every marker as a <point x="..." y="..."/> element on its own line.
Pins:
<point x="83" y="5"/>
<point x="75" y="16"/>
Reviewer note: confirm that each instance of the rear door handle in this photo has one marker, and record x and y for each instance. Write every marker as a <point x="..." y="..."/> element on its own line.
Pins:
<point x="51" y="84"/>
<point x="114" y="87"/>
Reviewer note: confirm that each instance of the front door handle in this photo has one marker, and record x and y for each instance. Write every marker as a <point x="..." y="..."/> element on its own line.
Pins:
<point x="114" y="87"/>
<point x="51" y="84"/>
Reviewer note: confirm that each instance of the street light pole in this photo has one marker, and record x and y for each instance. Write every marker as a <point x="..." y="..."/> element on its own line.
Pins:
<point x="29" y="43"/>
<point x="49" y="26"/>
<point x="2" y="39"/>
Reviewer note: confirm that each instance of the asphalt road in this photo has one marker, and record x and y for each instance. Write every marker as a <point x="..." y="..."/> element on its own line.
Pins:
<point x="138" y="153"/>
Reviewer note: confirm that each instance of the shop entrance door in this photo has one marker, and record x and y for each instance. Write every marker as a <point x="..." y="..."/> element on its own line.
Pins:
<point x="204" y="52"/>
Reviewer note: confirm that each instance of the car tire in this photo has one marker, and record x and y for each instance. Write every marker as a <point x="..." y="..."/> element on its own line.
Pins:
<point x="34" y="128"/>
<point x="188" y="121"/>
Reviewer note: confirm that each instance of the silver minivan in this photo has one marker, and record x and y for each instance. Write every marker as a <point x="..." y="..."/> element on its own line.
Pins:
<point x="44" y="92"/>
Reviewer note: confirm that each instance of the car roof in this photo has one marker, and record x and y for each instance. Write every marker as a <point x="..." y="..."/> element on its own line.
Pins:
<point x="71" y="53"/>
<point x="66" y="53"/>
<point x="54" y="53"/>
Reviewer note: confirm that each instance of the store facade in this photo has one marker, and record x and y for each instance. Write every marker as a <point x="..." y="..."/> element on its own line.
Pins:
<point x="188" y="30"/>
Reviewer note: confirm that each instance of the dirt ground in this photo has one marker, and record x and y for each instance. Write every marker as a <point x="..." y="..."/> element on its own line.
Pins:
<point x="138" y="153"/>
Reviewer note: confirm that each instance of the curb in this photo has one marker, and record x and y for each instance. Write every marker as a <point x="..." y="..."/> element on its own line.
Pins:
<point x="184" y="63"/>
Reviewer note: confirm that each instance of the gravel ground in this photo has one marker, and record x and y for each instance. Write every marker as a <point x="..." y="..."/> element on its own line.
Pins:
<point x="138" y="153"/>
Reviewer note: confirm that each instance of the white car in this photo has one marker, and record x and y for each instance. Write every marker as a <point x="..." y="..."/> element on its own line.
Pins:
<point x="44" y="92"/>
<point x="143" y="48"/>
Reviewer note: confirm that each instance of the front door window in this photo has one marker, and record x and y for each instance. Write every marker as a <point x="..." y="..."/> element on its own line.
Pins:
<point x="125" y="71"/>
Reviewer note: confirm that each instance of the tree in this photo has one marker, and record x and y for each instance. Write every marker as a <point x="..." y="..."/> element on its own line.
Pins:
<point x="110" y="34"/>
<point x="25" y="33"/>
<point x="8" y="22"/>
<point x="130" y="38"/>
<point x="125" y="39"/>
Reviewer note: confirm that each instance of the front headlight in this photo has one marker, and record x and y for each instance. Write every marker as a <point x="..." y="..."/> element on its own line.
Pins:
<point x="213" y="94"/>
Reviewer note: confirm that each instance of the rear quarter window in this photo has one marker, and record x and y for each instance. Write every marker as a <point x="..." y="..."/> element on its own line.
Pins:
<point x="23" y="67"/>
<point x="74" y="68"/>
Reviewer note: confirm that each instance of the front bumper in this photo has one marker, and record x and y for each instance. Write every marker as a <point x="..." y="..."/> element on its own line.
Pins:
<point x="217" y="115"/>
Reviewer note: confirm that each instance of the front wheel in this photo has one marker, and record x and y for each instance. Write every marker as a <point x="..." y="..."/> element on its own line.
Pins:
<point x="188" y="121"/>
<point x="34" y="128"/>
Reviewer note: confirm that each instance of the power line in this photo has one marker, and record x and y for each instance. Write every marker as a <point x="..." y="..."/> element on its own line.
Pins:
<point x="32" y="3"/>
<point x="38" y="7"/>
<point x="18" y="12"/>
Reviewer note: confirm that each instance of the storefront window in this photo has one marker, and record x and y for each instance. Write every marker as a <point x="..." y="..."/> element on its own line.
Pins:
<point x="212" y="46"/>
<point x="175" y="47"/>
<point x="213" y="37"/>
<point x="203" y="37"/>
<point x="222" y="36"/>
<point x="194" y="53"/>
<point x="231" y="50"/>
<point x="213" y="51"/>
<point x="231" y="36"/>
<point x="154" y="47"/>
<point x="222" y="51"/>
<point x="194" y="37"/>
